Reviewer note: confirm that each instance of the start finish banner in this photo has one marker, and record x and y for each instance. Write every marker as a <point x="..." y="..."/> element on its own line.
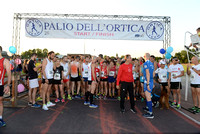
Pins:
<point x="94" y="29"/>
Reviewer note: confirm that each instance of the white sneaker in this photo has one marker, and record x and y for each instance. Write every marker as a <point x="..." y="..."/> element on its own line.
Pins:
<point x="44" y="107"/>
<point x="50" y="104"/>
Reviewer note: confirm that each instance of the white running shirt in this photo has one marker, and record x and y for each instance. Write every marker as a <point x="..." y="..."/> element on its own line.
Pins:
<point x="85" y="70"/>
<point x="49" y="69"/>
<point x="194" y="77"/>
<point x="176" y="70"/>
<point x="65" y="67"/>
<point x="162" y="74"/>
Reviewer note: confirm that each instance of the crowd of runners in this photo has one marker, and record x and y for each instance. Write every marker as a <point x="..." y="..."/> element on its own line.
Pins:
<point x="91" y="77"/>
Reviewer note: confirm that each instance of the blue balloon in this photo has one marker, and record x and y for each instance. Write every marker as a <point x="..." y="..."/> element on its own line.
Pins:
<point x="170" y="49"/>
<point x="12" y="49"/>
<point x="168" y="56"/>
<point x="162" y="51"/>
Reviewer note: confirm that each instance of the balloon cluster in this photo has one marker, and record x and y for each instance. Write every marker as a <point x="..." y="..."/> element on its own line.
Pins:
<point x="12" y="50"/>
<point x="168" y="54"/>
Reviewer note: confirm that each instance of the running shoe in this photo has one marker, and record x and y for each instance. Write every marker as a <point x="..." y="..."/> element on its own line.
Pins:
<point x="63" y="101"/>
<point x="57" y="100"/>
<point x="128" y="98"/>
<point x="178" y="106"/>
<point x="157" y="105"/>
<point x="193" y="108"/>
<point x="197" y="110"/>
<point x="135" y="99"/>
<point x="44" y="107"/>
<point x="118" y="98"/>
<point x="133" y="110"/>
<point x="142" y="99"/>
<point x="93" y="106"/>
<point x="148" y="115"/>
<point x="2" y="123"/>
<point x="64" y="97"/>
<point x="30" y="104"/>
<point x="36" y="105"/>
<point x="104" y="97"/>
<point x="122" y="111"/>
<point x="50" y="104"/>
<point x="86" y="103"/>
<point x="39" y="99"/>
<point x="173" y="104"/>
<point x="146" y="109"/>
<point x="69" y="97"/>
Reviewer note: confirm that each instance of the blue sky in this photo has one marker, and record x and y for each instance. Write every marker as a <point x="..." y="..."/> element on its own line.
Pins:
<point x="184" y="17"/>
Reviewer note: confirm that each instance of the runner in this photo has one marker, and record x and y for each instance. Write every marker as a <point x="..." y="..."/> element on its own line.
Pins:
<point x="112" y="78"/>
<point x="4" y="68"/>
<point x="97" y="70"/>
<point x="58" y="80"/>
<point x="25" y="70"/>
<point x="148" y="84"/>
<point x="47" y="69"/>
<point x="125" y="78"/>
<point x="100" y="59"/>
<point x="194" y="73"/>
<point x="33" y="80"/>
<point x="74" y="70"/>
<point x="92" y="82"/>
<point x="162" y="75"/>
<point x="117" y="67"/>
<point x="65" y="63"/>
<point x="142" y="61"/>
<point x="176" y="71"/>
<point x="136" y="77"/>
<point x="39" y="63"/>
<point x="104" y="79"/>
<point x="84" y="70"/>
<point x="153" y="60"/>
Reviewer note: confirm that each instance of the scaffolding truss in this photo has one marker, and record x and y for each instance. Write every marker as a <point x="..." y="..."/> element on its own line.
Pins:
<point x="18" y="17"/>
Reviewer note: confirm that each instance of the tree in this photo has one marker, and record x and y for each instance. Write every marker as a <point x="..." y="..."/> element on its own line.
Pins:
<point x="182" y="56"/>
<point x="45" y="52"/>
<point x="40" y="53"/>
<point x="122" y="57"/>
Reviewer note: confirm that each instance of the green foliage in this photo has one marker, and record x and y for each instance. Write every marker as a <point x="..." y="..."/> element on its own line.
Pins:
<point x="41" y="53"/>
<point x="122" y="57"/>
<point x="182" y="56"/>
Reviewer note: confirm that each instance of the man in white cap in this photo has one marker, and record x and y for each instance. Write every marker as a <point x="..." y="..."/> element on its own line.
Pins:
<point x="162" y="76"/>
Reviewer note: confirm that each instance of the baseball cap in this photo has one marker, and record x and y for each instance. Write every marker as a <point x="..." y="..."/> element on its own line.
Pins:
<point x="162" y="62"/>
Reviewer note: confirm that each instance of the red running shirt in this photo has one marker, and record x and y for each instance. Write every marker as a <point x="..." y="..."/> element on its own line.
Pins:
<point x="2" y="71"/>
<point x="125" y="73"/>
<point x="104" y="73"/>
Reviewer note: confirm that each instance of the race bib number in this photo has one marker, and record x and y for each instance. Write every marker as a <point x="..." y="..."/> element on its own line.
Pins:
<point x="57" y="76"/>
<point x="164" y="77"/>
<point x="50" y="73"/>
<point x="174" y="74"/>
<point x="97" y="73"/>
<point x="112" y="73"/>
<point x="65" y="72"/>
<point x="102" y="74"/>
<point x="192" y="77"/>
<point x="134" y="74"/>
<point x="86" y="73"/>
